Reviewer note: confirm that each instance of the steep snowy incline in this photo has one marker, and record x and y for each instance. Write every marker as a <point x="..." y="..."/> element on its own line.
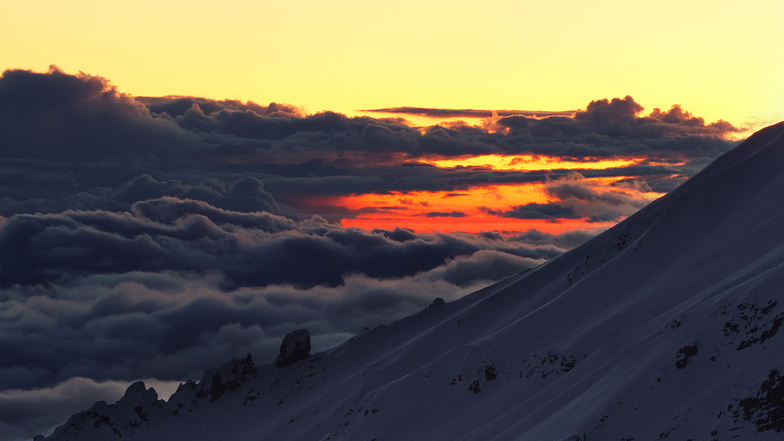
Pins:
<point x="665" y="326"/>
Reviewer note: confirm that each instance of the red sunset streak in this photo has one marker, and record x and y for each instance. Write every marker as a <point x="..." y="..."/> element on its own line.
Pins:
<point x="475" y="223"/>
<point x="480" y="208"/>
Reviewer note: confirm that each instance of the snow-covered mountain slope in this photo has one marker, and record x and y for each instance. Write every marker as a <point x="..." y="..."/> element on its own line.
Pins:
<point x="665" y="326"/>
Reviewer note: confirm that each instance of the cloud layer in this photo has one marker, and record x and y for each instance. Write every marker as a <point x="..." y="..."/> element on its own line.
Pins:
<point x="155" y="237"/>
<point x="576" y="199"/>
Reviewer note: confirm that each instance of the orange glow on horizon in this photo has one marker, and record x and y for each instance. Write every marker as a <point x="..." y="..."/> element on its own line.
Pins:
<point x="471" y="210"/>
<point x="529" y="163"/>
<point x="418" y="202"/>
<point x="474" y="224"/>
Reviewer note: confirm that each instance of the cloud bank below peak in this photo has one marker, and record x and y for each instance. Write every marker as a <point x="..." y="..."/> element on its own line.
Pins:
<point x="155" y="237"/>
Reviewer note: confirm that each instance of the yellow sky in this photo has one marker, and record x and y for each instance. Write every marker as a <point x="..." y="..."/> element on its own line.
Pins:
<point x="718" y="59"/>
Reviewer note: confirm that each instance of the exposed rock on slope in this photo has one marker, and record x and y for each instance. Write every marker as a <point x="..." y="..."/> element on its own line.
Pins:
<point x="295" y="347"/>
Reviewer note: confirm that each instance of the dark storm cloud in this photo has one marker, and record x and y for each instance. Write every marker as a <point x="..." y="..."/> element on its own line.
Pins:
<point x="617" y="110"/>
<point x="178" y="105"/>
<point x="466" y="113"/>
<point x="174" y="285"/>
<point x="76" y="142"/>
<point x="576" y="199"/>
<point x="246" y="195"/>
<point x="106" y="186"/>
<point x="170" y="324"/>
<point x="485" y="264"/>
<point x="594" y="204"/>
<point x="608" y="128"/>
<point x="398" y="234"/>
<point x="567" y="240"/>
<point x="26" y="412"/>
<point x="246" y="130"/>
<point x="552" y="211"/>
<point x="605" y="129"/>
<point x="184" y="310"/>
<point x="625" y="112"/>
<point x="65" y="117"/>
<point x="249" y="249"/>
<point x="428" y="178"/>
<point x="445" y="214"/>
<point x="139" y="238"/>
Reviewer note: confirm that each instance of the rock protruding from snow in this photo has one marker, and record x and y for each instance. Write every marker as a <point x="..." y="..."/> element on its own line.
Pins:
<point x="438" y="301"/>
<point x="295" y="347"/>
<point x="103" y="420"/>
<point x="138" y="394"/>
<point x="228" y="377"/>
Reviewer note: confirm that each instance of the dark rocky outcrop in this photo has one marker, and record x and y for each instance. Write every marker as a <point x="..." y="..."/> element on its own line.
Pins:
<point x="228" y="377"/>
<point x="115" y="420"/>
<point x="685" y="354"/>
<point x="295" y="347"/>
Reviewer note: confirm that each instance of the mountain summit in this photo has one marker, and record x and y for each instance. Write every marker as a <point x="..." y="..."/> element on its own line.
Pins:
<point x="665" y="326"/>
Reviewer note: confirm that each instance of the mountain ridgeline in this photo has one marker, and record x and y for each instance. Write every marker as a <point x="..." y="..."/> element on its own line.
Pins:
<point x="666" y="326"/>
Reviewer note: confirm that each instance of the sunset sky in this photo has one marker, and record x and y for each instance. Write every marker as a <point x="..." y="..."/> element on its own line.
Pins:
<point x="184" y="182"/>
<point x="716" y="59"/>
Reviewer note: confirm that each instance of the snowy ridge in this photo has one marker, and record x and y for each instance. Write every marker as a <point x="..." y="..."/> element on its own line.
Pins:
<point x="666" y="326"/>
